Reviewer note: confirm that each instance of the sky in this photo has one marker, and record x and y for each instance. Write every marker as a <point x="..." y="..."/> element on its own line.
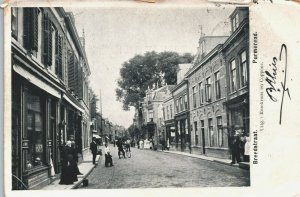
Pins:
<point x="114" y="35"/>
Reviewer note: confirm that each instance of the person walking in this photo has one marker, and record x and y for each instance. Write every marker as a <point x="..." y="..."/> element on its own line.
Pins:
<point x="108" y="157"/>
<point x="93" y="148"/>
<point x="120" y="148"/>
<point x="247" y="149"/>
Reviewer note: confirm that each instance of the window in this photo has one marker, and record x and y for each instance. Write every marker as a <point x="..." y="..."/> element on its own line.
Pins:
<point x="201" y="93"/>
<point x="211" y="132"/>
<point x="194" y="97"/>
<point x="177" y="106"/>
<point x="168" y="113"/>
<point x="35" y="131"/>
<point x="202" y="49"/>
<point x="220" y="131"/>
<point x="150" y="116"/>
<point x="235" y="22"/>
<point x="233" y="75"/>
<point x="208" y="89"/>
<point x="185" y="102"/>
<point x="181" y="104"/>
<point x="217" y="85"/>
<point x="14" y="22"/>
<point x="30" y="29"/>
<point x="196" y="133"/>
<point x="171" y="111"/>
<point x="244" y="72"/>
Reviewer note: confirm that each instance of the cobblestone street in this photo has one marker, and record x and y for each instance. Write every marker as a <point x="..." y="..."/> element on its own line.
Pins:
<point x="153" y="169"/>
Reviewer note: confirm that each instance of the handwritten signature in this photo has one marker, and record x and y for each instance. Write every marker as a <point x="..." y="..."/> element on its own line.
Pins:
<point x="271" y="78"/>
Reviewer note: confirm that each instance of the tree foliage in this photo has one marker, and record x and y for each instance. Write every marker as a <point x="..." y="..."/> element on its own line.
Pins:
<point x="148" y="70"/>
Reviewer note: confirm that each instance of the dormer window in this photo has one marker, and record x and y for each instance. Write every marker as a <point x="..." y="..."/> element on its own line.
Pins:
<point x="235" y="22"/>
<point x="202" y="49"/>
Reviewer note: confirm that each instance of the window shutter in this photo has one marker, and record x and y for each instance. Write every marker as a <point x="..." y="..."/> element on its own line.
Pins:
<point x="59" y="55"/>
<point x="27" y="21"/>
<point x="47" y="41"/>
<point x="56" y="53"/>
<point x="34" y="29"/>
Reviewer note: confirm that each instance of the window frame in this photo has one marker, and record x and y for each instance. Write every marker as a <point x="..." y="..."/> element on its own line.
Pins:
<point x="217" y="85"/>
<point x="244" y="68"/>
<point x="233" y="76"/>
<point x="208" y="95"/>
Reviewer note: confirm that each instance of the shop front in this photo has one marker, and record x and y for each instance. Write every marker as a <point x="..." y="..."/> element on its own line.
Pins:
<point x="34" y="126"/>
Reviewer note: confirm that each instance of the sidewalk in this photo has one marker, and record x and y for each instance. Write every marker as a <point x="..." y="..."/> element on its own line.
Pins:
<point x="243" y="165"/>
<point x="85" y="167"/>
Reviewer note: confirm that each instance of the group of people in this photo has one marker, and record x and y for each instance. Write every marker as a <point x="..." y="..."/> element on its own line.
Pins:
<point x="145" y="144"/>
<point x="70" y="168"/>
<point x="240" y="148"/>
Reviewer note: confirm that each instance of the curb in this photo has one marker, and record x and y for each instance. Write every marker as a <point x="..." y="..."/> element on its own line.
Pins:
<point x="75" y="186"/>
<point x="241" y="165"/>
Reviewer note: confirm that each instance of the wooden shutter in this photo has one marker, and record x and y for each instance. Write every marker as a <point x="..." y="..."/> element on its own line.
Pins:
<point x="47" y="40"/>
<point x="26" y="25"/>
<point x="34" y="29"/>
<point x="58" y="54"/>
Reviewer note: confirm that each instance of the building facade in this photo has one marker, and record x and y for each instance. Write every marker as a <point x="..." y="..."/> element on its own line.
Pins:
<point x="181" y="111"/>
<point x="47" y="108"/>
<point x="236" y="53"/>
<point x="207" y="105"/>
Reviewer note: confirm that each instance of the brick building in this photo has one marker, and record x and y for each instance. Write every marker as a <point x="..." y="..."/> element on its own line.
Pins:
<point x="48" y="108"/>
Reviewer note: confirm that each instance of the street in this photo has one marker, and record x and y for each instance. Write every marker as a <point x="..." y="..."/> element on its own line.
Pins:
<point x="153" y="169"/>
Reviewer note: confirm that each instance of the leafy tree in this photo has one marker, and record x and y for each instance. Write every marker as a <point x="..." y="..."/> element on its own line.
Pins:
<point x="149" y="70"/>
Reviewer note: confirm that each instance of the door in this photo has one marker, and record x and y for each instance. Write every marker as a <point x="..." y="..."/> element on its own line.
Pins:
<point x="203" y="142"/>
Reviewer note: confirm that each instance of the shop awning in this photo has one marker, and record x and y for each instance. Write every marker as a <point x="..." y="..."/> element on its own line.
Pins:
<point x="72" y="103"/>
<point x="96" y="136"/>
<point x="36" y="81"/>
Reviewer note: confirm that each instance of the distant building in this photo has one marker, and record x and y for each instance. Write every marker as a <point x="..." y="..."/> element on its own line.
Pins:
<point x="181" y="110"/>
<point x="153" y="113"/>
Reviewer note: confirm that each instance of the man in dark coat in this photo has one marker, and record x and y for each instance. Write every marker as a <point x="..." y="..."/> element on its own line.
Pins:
<point x="120" y="148"/>
<point x="93" y="148"/>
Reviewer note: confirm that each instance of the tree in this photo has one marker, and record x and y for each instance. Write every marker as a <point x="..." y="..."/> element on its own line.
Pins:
<point x="148" y="70"/>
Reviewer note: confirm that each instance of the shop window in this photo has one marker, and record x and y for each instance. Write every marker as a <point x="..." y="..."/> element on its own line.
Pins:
<point x="217" y="85"/>
<point x="220" y="131"/>
<point x="14" y="23"/>
<point x="211" y="132"/>
<point x="244" y="69"/>
<point x="233" y="75"/>
<point x="36" y="133"/>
